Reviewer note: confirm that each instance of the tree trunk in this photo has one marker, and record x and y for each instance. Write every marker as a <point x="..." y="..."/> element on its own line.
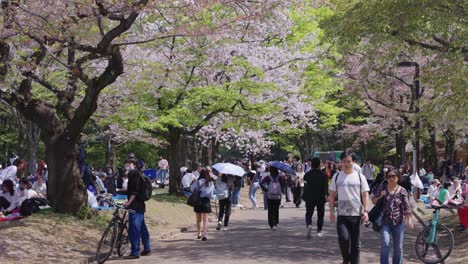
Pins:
<point x="449" y="144"/>
<point x="206" y="154"/>
<point x="175" y="162"/>
<point x="110" y="151"/>
<point x="29" y="143"/>
<point x="430" y="150"/>
<point x="65" y="189"/>
<point x="400" y="143"/>
<point x="194" y="153"/>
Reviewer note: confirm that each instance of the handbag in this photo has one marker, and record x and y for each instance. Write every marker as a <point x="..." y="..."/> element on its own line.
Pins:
<point x="376" y="215"/>
<point x="194" y="199"/>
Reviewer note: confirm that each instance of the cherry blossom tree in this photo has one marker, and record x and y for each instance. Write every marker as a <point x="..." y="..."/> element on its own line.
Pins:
<point x="58" y="56"/>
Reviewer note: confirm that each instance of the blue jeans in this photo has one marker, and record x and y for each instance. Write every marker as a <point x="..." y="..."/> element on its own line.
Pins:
<point x="235" y="195"/>
<point x="253" y="194"/>
<point x="137" y="230"/>
<point x="265" y="200"/>
<point x="398" y="233"/>
<point x="162" y="175"/>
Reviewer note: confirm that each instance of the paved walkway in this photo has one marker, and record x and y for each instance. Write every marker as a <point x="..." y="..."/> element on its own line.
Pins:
<point x="250" y="240"/>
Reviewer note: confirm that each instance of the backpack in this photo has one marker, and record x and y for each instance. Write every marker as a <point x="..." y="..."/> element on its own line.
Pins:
<point x="274" y="189"/>
<point x="222" y="189"/>
<point x="146" y="189"/>
<point x="28" y="207"/>
<point x="406" y="183"/>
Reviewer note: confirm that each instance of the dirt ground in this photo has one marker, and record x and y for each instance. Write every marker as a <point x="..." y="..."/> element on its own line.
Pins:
<point x="55" y="238"/>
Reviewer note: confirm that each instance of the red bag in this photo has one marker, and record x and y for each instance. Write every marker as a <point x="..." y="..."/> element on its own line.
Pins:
<point x="463" y="216"/>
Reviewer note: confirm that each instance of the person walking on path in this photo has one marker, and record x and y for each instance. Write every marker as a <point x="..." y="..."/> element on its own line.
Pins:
<point x="396" y="210"/>
<point x="205" y="186"/>
<point x="137" y="229"/>
<point x="298" y="185"/>
<point x="353" y="197"/>
<point x="264" y="173"/>
<point x="253" y="181"/>
<point x="224" y="186"/>
<point x="315" y="195"/>
<point x="273" y="184"/>
<point x="368" y="170"/>
<point x="236" y="192"/>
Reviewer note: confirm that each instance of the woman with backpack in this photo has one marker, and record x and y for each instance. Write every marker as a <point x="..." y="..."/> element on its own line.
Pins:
<point x="273" y="184"/>
<point x="396" y="211"/>
<point x="224" y="186"/>
<point x="204" y="185"/>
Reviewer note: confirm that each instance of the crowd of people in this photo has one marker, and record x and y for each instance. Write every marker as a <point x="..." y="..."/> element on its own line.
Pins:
<point x="19" y="192"/>
<point x="347" y="187"/>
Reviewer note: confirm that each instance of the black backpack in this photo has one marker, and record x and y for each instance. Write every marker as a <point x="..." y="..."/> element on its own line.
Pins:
<point x="146" y="189"/>
<point x="28" y="207"/>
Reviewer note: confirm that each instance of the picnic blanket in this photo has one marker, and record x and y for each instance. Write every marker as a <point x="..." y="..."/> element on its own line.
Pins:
<point x="10" y="218"/>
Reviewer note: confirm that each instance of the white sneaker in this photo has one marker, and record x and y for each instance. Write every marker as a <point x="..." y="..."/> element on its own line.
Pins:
<point x="309" y="232"/>
<point x="218" y="227"/>
<point x="319" y="234"/>
<point x="274" y="227"/>
<point x="226" y="228"/>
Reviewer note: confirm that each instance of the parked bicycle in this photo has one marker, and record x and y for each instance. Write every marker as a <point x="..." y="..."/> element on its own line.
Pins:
<point x="115" y="235"/>
<point x="435" y="242"/>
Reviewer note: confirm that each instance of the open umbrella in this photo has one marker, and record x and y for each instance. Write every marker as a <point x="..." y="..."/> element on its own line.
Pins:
<point x="283" y="167"/>
<point x="228" y="168"/>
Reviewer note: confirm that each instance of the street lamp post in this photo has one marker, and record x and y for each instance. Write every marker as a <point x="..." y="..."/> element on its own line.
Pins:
<point x="415" y="97"/>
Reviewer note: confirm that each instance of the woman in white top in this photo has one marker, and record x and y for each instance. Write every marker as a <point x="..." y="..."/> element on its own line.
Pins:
<point x="205" y="186"/>
<point x="298" y="185"/>
<point x="433" y="190"/>
<point x="455" y="189"/>
<point x="9" y="197"/>
<point x="40" y="187"/>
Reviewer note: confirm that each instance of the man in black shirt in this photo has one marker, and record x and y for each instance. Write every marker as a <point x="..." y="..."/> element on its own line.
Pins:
<point x="136" y="218"/>
<point x="315" y="193"/>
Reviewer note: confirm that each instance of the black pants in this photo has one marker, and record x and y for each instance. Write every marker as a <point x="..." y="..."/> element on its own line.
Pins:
<point x="273" y="212"/>
<point x="348" y="228"/>
<point x="224" y="210"/>
<point x="4" y="203"/>
<point x="310" y="207"/>
<point x="297" y="193"/>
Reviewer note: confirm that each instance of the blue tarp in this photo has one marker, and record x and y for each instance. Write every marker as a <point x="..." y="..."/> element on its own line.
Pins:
<point x="151" y="173"/>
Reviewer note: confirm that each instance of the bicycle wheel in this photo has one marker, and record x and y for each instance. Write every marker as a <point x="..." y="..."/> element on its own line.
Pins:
<point x="107" y="243"/>
<point x="437" y="251"/>
<point x="123" y="241"/>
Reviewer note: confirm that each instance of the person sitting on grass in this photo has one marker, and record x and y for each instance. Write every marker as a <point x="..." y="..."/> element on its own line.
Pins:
<point x="40" y="187"/>
<point x="9" y="198"/>
<point x="25" y="190"/>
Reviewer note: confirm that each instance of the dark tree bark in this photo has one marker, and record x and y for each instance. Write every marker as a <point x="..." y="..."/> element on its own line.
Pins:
<point x="109" y="151"/>
<point x="449" y="144"/>
<point x="194" y="160"/>
<point x="29" y="143"/>
<point x="175" y="160"/>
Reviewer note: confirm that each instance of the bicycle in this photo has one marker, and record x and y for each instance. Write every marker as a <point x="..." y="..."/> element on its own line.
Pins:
<point x="115" y="235"/>
<point x="435" y="242"/>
